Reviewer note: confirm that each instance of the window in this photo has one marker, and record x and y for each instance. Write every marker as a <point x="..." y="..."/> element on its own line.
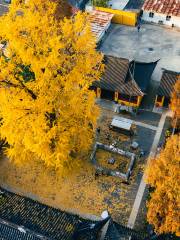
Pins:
<point x="160" y="22"/>
<point x="159" y="98"/>
<point x="151" y="14"/>
<point x="168" y="18"/>
<point x="132" y="99"/>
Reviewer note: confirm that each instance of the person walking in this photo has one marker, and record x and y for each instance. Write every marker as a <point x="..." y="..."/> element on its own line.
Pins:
<point x="138" y="27"/>
<point x="139" y="23"/>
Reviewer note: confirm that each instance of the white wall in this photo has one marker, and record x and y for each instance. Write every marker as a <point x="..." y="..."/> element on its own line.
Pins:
<point x="161" y="17"/>
<point x="116" y="4"/>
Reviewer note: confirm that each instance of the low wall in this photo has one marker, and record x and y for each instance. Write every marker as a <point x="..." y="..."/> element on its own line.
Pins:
<point x="120" y="16"/>
<point x="110" y="172"/>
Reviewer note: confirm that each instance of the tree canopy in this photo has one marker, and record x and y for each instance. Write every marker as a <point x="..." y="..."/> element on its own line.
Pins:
<point x="163" y="176"/>
<point x="175" y="103"/>
<point x="100" y="3"/>
<point x="47" y="110"/>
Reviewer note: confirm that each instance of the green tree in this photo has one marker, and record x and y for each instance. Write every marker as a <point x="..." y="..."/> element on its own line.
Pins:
<point x="100" y="3"/>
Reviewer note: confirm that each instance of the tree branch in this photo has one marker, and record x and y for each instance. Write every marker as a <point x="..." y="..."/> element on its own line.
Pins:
<point x="21" y="86"/>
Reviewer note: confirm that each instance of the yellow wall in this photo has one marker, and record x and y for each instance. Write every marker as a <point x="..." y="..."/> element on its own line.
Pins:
<point x="98" y="93"/>
<point x="120" y="16"/>
<point x="159" y="104"/>
<point x="139" y="100"/>
<point x="116" y="96"/>
<point x="129" y="104"/>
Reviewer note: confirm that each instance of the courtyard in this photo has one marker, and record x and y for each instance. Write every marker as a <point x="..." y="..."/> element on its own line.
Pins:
<point x="80" y="191"/>
<point x="107" y="179"/>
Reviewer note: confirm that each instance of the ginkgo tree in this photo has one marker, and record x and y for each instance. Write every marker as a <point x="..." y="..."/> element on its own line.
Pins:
<point x="47" y="110"/>
<point x="175" y="104"/>
<point x="162" y="174"/>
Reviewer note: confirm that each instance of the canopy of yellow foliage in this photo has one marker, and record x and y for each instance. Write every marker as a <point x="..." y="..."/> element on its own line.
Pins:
<point x="163" y="175"/>
<point x="175" y="103"/>
<point x="47" y="109"/>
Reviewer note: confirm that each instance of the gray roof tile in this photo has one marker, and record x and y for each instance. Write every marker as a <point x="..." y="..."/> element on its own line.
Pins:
<point x="167" y="83"/>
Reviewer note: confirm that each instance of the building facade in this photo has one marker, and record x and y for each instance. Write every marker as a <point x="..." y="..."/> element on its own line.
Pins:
<point x="124" y="81"/>
<point x="165" y="12"/>
<point x="166" y="88"/>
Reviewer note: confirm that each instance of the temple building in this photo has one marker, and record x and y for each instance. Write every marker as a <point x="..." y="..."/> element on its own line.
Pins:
<point x="162" y="11"/>
<point x="166" y="88"/>
<point x="124" y="81"/>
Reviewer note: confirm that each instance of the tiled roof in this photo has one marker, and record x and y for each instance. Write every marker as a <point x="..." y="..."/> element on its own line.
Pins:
<point x="47" y="221"/>
<point x="90" y="231"/>
<point x="74" y="10"/>
<point x="167" y="7"/>
<point x="24" y="219"/>
<point x="8" y="232"/>
<point x="99" y="22"/>
<point x="116" y="231"/>
<point x="167" y="83"/>
<point x="142" y="73"/>
<point x="117" y="77"/>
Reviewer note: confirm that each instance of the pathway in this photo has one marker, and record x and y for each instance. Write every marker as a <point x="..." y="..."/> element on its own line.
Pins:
<point x="141" y="124"/>
<point x="142" y="186"/>
<point x="109" y="105"/>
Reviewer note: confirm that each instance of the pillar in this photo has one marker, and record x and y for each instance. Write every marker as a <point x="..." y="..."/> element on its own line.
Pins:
<point x="116" y="94"/>
<point x="98" y="93"/>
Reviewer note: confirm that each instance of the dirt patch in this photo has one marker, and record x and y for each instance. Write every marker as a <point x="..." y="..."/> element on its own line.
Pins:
<point x="107" y="136"/>
<point x="121" y="163"/>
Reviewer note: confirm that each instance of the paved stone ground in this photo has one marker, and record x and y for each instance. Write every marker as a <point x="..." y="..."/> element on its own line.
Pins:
<point x="144" y="138"/>
<point x="166" y="126"/>
<point x="149" y="99"/>
<point x="146" y="117"/>
<point x="141" y="223"/>
<point x="142" y="186"/>
<point x="125" y="41"/>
